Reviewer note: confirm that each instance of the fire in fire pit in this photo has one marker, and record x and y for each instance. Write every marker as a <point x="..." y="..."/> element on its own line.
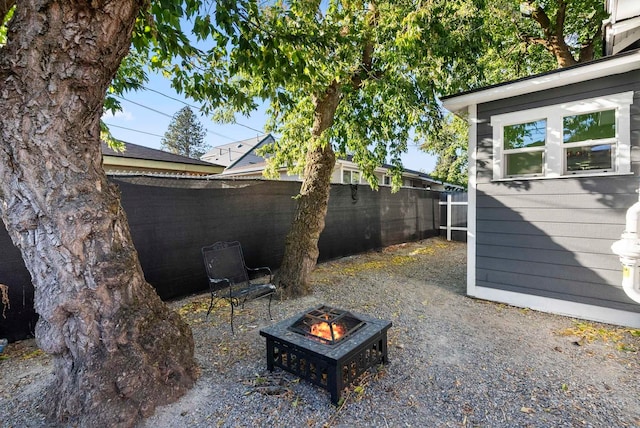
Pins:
<point x="327" y="325"/>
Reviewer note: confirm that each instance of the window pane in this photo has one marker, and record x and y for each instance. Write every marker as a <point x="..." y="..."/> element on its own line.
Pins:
<point x="524" y="163"/>
<point x="590" y="157"/>
<point x="346" y="177"/>
<point x="355" y="177"/>
<point x="590" y="126"/>
<point x="530" y="134"/>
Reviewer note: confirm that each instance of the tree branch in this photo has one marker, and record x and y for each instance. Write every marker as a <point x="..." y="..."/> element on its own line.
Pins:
<point x="587" y="49"/>
<point x="365" y="68"/>
<point x="534" y="40"/>
<point x="5" y="7"/>
<point x="560" y="18"/>
<point x="541" y="17"/>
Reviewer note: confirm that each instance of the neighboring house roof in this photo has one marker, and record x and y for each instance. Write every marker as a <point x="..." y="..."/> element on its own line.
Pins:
<point x="229" y="154"/>
<point x="251" y="163"/>
<point x="251" y="157"/>
<point x="602" y="67"/>
<point x="145" y="159"/>
<point x="622" y="29"/>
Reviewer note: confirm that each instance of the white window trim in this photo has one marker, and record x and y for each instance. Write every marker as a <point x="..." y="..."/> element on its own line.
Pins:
<point x="553" y="157"/>
<point x="351" y="172"/>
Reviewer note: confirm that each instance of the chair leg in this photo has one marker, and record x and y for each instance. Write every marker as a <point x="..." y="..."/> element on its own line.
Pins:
<point x="270" y="297"/>
<point x="210" y="306"/>
<point x="232" y="332"/>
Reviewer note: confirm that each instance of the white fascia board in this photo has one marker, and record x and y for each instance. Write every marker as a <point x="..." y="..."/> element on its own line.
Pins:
<point x="624" y="26"/>
<point x="615" y="65"/>
<point x="625" y="40"/>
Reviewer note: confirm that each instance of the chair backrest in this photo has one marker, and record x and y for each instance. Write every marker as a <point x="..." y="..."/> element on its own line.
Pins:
<point x="225" y="260"/>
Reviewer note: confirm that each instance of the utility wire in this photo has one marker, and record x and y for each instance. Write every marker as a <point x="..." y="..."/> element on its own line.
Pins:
<point x="221" y="151"/>
<point x="197" y="108"/>
<point x="133" y="130"/>
<point x="169" y="116"/>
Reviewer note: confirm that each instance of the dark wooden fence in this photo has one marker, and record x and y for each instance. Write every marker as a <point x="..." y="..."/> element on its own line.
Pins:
<point x="171" y="219"/>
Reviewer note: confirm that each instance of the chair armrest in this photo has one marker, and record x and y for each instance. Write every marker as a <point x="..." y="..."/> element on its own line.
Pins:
<point x="258" y="269"/>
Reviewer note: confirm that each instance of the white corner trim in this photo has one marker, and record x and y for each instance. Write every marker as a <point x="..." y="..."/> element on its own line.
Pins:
<point x="597" y="69"/>
<point x="472" y="194"/>
<point x="559" y="307"/>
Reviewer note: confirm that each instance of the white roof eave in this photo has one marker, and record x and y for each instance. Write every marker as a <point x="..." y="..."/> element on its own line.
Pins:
<point x="615" y="65"/>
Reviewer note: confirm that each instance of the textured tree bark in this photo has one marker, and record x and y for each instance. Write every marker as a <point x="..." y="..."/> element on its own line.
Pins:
<point x="118" y="350"/>
<point x="301" y="245"/>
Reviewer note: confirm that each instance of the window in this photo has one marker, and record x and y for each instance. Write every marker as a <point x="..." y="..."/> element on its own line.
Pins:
<point x="584" y="137"/>
<point x="589" y="141"/>
<point x="350" y="177"/>
<point x="387" y="180"/>
<point x="523" y="148"/>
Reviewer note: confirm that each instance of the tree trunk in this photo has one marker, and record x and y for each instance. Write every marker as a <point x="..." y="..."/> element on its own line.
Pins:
<point x="301" y="245"/>
<point x="561" y="51"/>
<point x="118" y="350"/>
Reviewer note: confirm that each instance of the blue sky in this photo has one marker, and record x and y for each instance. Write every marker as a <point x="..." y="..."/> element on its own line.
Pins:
<point x="143" y="115"/>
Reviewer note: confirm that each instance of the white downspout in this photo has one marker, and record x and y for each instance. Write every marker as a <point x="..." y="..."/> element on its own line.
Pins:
<point x="628" y="249"/>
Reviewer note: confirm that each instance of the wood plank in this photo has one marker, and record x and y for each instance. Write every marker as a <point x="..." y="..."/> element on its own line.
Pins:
<point x="551" y="271"/>
<point x="610" y="231"/>
<point x="582" y="244"/>
<point x="535" y="215"/>
<point x="551" y="257"/>
<point x="571" y="201"/>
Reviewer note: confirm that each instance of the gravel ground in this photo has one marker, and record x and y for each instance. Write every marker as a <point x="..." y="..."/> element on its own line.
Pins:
<point x="454" y="361"/>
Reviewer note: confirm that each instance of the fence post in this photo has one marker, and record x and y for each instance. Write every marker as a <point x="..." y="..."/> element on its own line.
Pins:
<point x="449" y="220"/>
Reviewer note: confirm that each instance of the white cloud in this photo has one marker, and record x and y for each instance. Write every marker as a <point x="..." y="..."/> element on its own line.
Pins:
<point x="125" y="115"/>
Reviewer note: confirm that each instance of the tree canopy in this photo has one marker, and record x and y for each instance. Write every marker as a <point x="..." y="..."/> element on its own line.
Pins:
<point x="530" y="37"/>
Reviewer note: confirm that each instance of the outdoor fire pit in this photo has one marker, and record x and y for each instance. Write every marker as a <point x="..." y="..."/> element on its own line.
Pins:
<point x="326" y="346"/>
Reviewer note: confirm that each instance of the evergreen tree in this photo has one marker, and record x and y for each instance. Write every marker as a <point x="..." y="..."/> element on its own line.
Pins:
<point x="185" y="135"/>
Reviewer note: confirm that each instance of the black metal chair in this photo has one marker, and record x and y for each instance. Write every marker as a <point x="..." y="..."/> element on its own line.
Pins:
<point x="229" y="276"/>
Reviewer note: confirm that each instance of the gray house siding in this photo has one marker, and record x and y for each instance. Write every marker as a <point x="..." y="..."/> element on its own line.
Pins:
<point x="552" y="237"/>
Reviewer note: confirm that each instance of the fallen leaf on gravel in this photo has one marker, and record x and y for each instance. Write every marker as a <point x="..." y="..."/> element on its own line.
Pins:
<point x="527" y="410"/>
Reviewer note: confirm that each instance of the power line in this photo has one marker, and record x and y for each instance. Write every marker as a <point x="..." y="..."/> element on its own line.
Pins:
<point x="198" y="108"/>
<point x="133" y="130"/>
<point x="221" y="151"/>
<point x="170" y="116"/>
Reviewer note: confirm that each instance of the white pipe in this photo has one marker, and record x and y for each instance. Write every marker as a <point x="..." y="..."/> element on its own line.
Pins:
<point x="632" y="291"/>
<point x="631" y="278"/>
<point x="628" y="248"/>
<point x="633" y="216"/>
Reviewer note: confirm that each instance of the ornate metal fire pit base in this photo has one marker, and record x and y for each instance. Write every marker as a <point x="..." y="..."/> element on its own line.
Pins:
<point x="330" y="366"/>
